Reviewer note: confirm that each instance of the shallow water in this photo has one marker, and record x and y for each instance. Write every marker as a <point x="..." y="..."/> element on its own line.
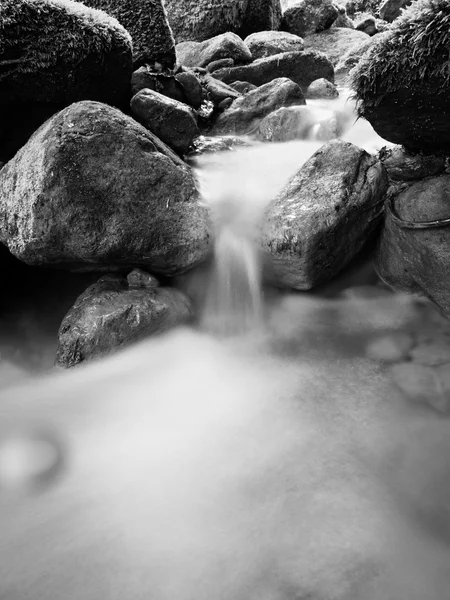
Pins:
<point x="277" y="461"/>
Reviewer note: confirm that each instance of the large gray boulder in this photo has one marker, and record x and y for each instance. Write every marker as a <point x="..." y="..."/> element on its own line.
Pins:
<point x="268" y="43"/>
<point x="93" y="189"/>
<point x="324" y="215"/>
<point x="245" y="113"/>
<point x="336" y="42"/>
<point x="309" y="16"/>
<point x="112" y="314"/>
<point x="146" y="21"/>
<point x="412" y="256"/>
<point x="172" y="121"/>
<point x="225" y="45"/>
<point x="302" y="67"/>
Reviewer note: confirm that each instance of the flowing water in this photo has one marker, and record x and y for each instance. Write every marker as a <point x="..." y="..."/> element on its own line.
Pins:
<point x="263" y="454"/>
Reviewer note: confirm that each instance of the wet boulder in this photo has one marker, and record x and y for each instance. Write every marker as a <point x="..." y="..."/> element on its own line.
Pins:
<point x="222" y="63"/>
<point x="306" y="17"/>
<point x="207" y="145"/>
<point x="402" y="85"/>
<point x="402" y="166"/>
<point x="335" y="42"/>
<point x="218" y="90"/>
<point x="93" y="189"/>
<point x="261" y="15"/>
<point x="200" y="54"/>
<point x="321" y="88"/>
<point x="324" y="215"/>
<point x="302" y="67"/>
<point x="391" y="9"/>
<point x="243" y="87"/>
<point x="414" y="250"/>
<point x="300" y="123"/>
<point x="203" y="19"/>
<point x="76" y="53"/>
<point x="163" y="83"/>
<point x="116" y="312"/>
<point x="268" y="43"/>
<point x="146" y="21"/>
<point x="171" y="121"/>
<point x="245" y="113"/>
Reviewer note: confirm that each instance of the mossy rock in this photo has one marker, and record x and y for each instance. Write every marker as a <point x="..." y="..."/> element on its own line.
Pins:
<point x="58" y="52"/>
<point x="146" y="21"/>
<point x="402" y="83"/>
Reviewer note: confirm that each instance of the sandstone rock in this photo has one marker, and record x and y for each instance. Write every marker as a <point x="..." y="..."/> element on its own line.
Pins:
<point x="245" y="113"/>
<point x="268" y="43"/>
<point x="299" y="123"/>
<point x="146" y="21"/>
<point x="335" y="42"/>
<point x="200" y="54"/>
<point x="302" y="67"/>
<point x="321" y="88"/>
<point x="111" y="314"/>
<point x="171" y="121"/>
<point x="367" y="25"/>
<point x="401" y="166"/>
<point x="222" y="63"/>
<point x="391" y="9"/>
<point x="261" y="15"/>
<point x="416" y="260"/>
<point x="93" y="189"/>
<point x="243" y="87"/>
<point x="203" y="19"/>
<point x="324" y="215"/>
<point x="309" y="16"/>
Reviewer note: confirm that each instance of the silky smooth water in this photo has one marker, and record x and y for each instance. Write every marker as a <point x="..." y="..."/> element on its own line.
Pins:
<point x="278" y="461"/>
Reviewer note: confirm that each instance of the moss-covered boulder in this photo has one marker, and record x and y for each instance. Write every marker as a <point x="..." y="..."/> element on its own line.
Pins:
<point x="146" y="21"/>
<point x="94" y="190"/>
<point x="53" y="53"/>
<point x="402" y="84"/>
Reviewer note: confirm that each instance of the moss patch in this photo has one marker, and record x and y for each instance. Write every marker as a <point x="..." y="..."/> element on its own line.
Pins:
<point x="412" y="55"/>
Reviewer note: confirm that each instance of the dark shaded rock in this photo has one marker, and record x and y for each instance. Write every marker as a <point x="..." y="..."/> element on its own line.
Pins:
<point x="268" y="43"/>
<point x="226" y="103"/>
<point x="245" y="112"/>
<point x="146" y="21"/>
<point x="324" y="215"/>
<point x="321" y="88"/>
<point x="243" y="87"/>
<point x="206" y="145"/>
<point x="391" y="9"/>
<point x="261" y="15"/>
<point x="171" y="121"/>
<point x="402" y="84"/>
<point x="218" y="90"/>
<point x="402" y="166"/>
<point x="200" y="54"/>
<point x="163" y="83"/>
<point x="93" y="189"/>
<point x="138" y="278"/>
<point x="335" y="42"/>
<point x="192" y="88"/>
<point x="110" y="315"/>
<point x="416" y="260"/>
<point x="309" y="16"/>
<point x="203" y="19"/>
<point x="299" y="123"/>
<point x="302" y="67"/>
<point x="367" y="25"/>
<point x="223" y="63"/>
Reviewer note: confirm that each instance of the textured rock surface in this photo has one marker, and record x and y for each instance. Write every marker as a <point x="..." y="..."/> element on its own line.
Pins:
<point x="309" y="16"/>
<point x="324" y="215"/>
<point x="350" y="59"/>
<point x="299" y="123"/>
<point x="245" y="112"/>
<point x="321" y="88"/>
<point x="225" y="45"/>
<point x="391" y="9"/>
<point x="94" y="189"/>
<point x="402" y="166"/>
<point x="416" y="260"/>
<point x="243" y="87"/>
<point x="146" y="21"/>
<point x="205" y="145"/>
<point x="302" y="67"/>
<point x="268" y="43"/>
<point x="171" y="121"/>
<point x="367" y="25"/>
<point x="261" y="15"/>
<point x="218" y="90"/>
<point x="336" y="42"/>
<point x="112" y="314"/>
<point x="203" y="19"/>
